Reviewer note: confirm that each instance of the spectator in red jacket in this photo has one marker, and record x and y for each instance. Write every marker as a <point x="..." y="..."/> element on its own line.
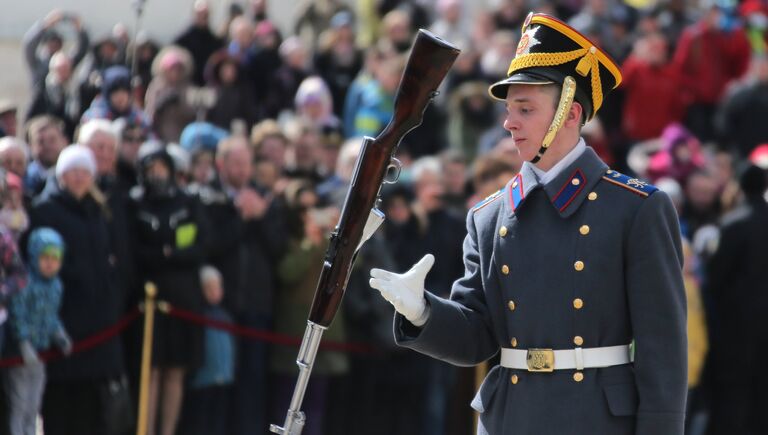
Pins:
<point x="710" y="54"/>
<point x="652" y="89"/>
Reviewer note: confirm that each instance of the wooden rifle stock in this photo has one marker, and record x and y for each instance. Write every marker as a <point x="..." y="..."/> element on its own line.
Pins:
<point x="427" y="66"/>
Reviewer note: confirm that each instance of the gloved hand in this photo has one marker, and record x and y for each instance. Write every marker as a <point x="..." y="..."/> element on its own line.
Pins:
<point x="405" y="291"/>
<point x="28" y="353"/>
<point x="63" y="342"/>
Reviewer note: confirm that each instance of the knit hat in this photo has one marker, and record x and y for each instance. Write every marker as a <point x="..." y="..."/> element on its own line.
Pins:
<point x="76" y="157"/>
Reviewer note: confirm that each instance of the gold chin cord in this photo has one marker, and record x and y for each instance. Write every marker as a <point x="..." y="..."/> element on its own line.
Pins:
<point x="566" y="99"/>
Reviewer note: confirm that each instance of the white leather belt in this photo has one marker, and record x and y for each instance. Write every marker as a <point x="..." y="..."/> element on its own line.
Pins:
<point x="547" y="360"/>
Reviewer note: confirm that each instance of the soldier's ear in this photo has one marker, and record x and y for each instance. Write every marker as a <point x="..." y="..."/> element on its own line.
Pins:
<point x="575" y="114"/>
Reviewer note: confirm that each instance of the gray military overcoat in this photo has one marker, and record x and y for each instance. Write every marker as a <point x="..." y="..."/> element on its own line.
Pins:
<point x="593" y="257"/>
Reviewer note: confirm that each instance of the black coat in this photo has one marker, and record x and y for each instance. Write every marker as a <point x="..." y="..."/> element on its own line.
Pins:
<point x="91" y="300"/>
<point x="442" y="236"/>
<point x="246" y="252"/>
<point x="201" y="43"/>
<point x="169" y="235"/>
<point x="736" y="278"/>
<point x="178" y="223"/>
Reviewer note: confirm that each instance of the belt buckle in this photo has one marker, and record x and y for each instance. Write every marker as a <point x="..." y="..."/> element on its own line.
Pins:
<point x="540" y="360"/>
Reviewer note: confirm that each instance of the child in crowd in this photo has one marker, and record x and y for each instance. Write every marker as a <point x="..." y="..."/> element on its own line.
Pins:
<point x="34" y="324"/>
<point x="207" y="398"/>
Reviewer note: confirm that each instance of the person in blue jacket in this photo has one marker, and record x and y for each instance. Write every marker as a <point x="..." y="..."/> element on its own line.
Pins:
<point x="35" y="325"/>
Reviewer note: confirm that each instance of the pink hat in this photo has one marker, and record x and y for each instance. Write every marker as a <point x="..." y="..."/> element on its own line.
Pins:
<point x="170" y="60"/>
<point x="759" y="156"/>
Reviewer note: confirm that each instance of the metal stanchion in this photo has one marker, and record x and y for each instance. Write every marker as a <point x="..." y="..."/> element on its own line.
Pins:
<point x="481" y="370"/>
<point x="146" y="356"/>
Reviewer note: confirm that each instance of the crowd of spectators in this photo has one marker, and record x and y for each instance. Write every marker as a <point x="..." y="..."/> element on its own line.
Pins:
<point x="215" y="165"/>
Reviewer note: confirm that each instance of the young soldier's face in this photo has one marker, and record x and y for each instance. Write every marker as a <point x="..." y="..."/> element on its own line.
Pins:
<point x="530" y="109"/>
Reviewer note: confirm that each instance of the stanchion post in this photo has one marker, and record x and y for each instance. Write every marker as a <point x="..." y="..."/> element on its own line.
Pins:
<point x="146" y="356"/>
<point x="481" y="370"/>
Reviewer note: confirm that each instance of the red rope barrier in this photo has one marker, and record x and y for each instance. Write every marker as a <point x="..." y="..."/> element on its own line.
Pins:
<point x="82" y="345"/>
<point x="271" y="337"/>
<point x="115" y="329"/>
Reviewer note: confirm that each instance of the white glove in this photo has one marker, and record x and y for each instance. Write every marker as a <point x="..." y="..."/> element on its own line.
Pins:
<point x="28" y="353"/>
<point x="405" y="291"/>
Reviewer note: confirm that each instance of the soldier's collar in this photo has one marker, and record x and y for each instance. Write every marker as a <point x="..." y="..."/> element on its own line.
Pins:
<point x="520" y="186"/>
<point x="566" y="191"/>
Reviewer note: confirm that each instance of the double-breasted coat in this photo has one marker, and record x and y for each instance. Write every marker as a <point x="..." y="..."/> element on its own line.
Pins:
<point x="591" y="259"/>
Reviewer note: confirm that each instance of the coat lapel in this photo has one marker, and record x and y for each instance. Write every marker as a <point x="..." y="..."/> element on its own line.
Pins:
<point x="568" y="190"/>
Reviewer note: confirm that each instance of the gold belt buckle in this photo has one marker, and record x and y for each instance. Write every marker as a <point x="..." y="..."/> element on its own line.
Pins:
<point x="540" y="360"/>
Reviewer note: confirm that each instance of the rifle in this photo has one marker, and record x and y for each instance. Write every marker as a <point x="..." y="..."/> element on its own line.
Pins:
<point x="428" y="63"/>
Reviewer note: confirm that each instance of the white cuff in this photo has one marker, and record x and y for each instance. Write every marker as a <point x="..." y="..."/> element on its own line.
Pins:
<point x="423" y="317"/>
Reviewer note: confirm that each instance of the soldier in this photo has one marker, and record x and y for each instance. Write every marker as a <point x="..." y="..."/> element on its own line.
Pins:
<point x="572" y="270"/>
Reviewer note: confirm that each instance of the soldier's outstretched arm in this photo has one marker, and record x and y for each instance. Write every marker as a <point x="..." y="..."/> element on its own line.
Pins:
<point x="458" y="330"/>
<point x="658" y="313"/>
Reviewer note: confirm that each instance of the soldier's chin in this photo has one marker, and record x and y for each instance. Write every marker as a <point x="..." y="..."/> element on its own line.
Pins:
<point x="527" y="154"/>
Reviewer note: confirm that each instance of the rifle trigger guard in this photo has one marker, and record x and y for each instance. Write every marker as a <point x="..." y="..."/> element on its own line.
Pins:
<point x="396" y="165"/>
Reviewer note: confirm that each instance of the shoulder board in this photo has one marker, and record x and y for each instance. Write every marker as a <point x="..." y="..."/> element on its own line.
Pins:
<point x="635" y="185"/>
<point x="492" y="197"/>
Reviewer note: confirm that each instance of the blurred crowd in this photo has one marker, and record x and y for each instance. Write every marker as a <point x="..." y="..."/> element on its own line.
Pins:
<point x="215" y="166"/>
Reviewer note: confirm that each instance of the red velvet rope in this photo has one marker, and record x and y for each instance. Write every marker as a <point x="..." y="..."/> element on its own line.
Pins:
<point x="261" y="335"/>
<point x="82" y="345"/>
<point x="115" y="329"/>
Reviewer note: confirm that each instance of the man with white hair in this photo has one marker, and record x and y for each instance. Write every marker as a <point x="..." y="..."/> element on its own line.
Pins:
<point x="14" y="155"/>
<point x="99" y="135"/>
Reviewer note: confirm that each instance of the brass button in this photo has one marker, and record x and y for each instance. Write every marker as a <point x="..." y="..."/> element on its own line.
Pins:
<point x="592" y="196"/>
<point x="575" y="181"/>
<point x="503" y="231"/>
<point x="505" y="269"/>
<point x="514" y="184"/>
<point x="578" y="376"/>
<point x="578" y="341"/>
<point x="513" y="342"/>
<point x="579" y="266"/>
<point x="584" y="230"/>
<point x="511" y="305"/>
<point x="514" y="379"/>
<point x="578" y="303"/>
